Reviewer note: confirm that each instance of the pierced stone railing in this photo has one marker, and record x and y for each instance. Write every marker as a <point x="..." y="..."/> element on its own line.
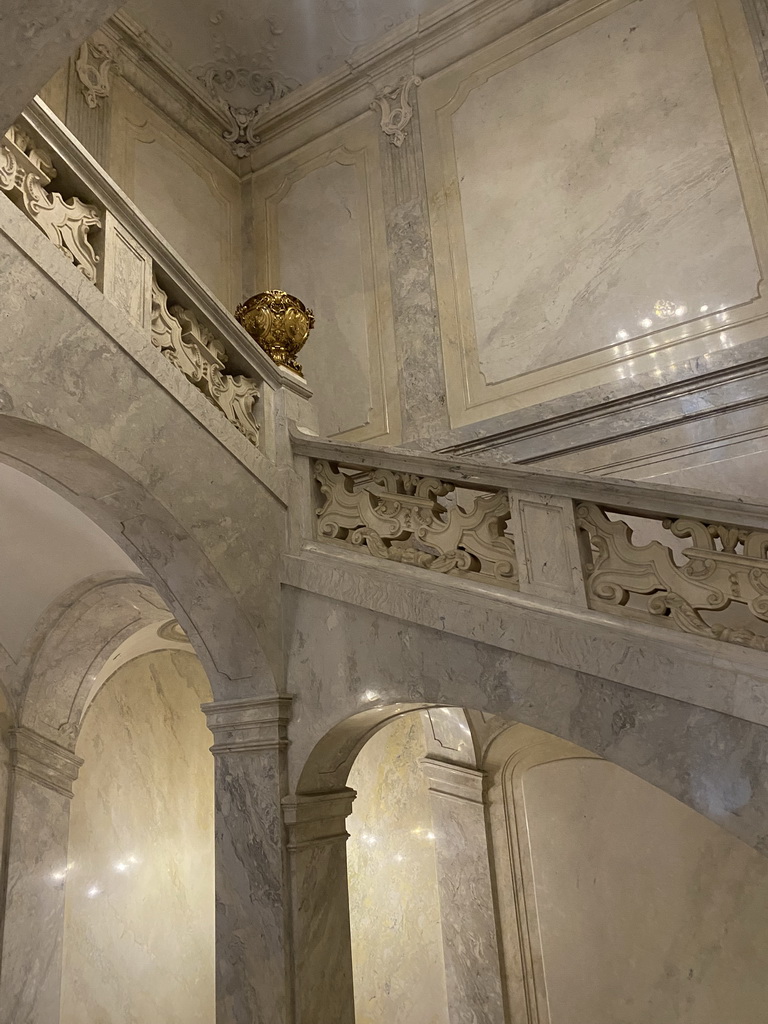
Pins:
<point x="47" y="174"/>
<point x="692" y="563"/>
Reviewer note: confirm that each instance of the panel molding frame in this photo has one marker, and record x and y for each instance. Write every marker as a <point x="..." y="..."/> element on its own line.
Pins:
<point x="355" y="144"/>
<point x="744" y="108"/>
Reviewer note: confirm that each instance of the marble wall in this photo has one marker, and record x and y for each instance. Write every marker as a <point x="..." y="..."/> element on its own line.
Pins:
<point x="320" y="233"/>
<point x="139" y="910"/>
<point x="397" y="952"/>
<point x="646" y="910"/>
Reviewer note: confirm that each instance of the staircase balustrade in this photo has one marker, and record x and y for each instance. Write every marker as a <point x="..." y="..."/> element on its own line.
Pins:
<point x="48" y="175"/>
<point x="689" y="562"/>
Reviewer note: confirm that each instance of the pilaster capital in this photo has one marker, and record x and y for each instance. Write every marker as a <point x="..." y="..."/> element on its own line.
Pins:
<point x="43" y="761"/>
<point x="317" y="818"/>
<point x="455" y="781"/>
<point x="243" y="726"/>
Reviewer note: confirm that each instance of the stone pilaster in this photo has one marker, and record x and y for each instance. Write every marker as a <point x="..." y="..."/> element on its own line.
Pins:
<point x="252" y="897"/>
<point x="468" y="920"/>
<point x="317" y="837"/>
<point x="414" y="296"/>
<point x="42" y="775"/>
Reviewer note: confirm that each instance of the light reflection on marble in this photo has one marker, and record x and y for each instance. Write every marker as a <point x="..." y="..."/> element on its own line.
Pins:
<point x="615" y="205"/>
<point x="397" y="954"/>
<point x="139" y="919"/>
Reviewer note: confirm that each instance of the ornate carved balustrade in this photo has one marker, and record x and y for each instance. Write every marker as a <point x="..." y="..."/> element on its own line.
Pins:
<point x="47" y="174"/>
<point x="682" y="561"/>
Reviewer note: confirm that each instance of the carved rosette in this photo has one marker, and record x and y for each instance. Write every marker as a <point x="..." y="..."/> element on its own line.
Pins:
<point x="279" y="323"/>
<point x="725" y="566"/>
<point x="418" y="521"/>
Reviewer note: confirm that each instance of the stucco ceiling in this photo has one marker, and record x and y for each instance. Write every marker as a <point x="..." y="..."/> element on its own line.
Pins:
<point x="297" y="39"/>
<point x="46" y="547"/>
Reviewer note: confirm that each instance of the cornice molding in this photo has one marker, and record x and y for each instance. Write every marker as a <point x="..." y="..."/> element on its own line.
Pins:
<point x="421" y="46"/>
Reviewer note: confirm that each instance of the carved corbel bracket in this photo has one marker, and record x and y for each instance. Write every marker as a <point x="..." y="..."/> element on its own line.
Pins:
<point x="396" y="108"/>
<point x="94" y="64"/>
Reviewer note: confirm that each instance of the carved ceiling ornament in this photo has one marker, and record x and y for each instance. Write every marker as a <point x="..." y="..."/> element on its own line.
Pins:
<point x="396" y="108"/>
<point x="94" y="65"/>
<point x="230" y="78"/>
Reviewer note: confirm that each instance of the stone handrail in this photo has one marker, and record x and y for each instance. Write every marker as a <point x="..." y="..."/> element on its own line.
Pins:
<point x="65" y="193"/>
<point x="691" y="562"/>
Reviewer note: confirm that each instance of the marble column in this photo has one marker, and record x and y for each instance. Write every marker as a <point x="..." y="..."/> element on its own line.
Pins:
<point x="252" y="896"/>
<point x="42" y="775"/>
<point x="468" y="919"/>
<point x="317" y="837"/>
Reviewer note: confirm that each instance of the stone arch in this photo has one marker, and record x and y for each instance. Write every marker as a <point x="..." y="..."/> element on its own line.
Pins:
<point x="165" y="554"/>
<point x="73" y="645"/>
<point x="715" y="763"/>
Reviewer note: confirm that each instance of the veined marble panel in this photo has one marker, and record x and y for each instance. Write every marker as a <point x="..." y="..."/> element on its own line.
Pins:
<point x="320" y="214"/>
<point x="597" y="198"/>
<point x="139" y="913"/>
<point x="397" y="952"/>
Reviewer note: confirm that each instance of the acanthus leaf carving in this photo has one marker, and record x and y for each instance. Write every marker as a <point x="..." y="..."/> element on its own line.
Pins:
<point x="26" y="172"/>
<point x="727" y="565"/>
<point x="192" y="348"/>
<point x="396" y="108"/>
<point x="403" y="518"/>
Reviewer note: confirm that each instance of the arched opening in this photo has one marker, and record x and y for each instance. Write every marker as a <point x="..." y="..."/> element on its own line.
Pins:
<point x="139" y="892"/>
<point x="108" y="847"/>
<point x="519" y="877"/>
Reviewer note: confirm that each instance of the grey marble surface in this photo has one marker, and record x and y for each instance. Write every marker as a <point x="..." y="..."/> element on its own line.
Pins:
<point x="384" y="656"/>
<point x="30" y="970"/>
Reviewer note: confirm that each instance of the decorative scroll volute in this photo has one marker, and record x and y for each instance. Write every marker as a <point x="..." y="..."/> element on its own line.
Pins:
<point x="202" y="358"/>
<point x="25" y="173"/>
<point x="399" y="516"/>
<point x="726" y="565"/>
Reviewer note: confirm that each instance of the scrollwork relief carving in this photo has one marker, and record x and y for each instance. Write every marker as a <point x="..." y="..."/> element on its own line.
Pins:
<point x="94" y="65"/>
<point x="202" y="358"/>
<point x="726" y="565"/>
<point x="26" y="170"/>
<point x="227" y="78"/>
<point x="396" y="108"/>
<point x="406" y="518"/>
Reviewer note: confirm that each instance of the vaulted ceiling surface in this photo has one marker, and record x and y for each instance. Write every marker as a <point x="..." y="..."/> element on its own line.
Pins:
<point x="294" y="40"/>
<point x="46" y="546"/>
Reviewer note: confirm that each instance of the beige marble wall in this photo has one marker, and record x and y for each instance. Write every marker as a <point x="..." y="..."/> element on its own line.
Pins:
<point x="139" y="917"/>
<point x="397" y="953"/>
<point x="191" y="198"/>
<point x="320" y="233"/>
<point x="646" y="910"/>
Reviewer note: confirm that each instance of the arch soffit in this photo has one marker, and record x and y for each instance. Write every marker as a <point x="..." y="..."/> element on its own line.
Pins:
<point x="164" y="553"/>
<point x="71" y="649"/>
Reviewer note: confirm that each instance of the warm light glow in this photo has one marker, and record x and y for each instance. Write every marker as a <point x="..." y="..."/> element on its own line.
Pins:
<point x="681" y="310"/>
<point x="646" y="322"/>
<point x="368" y="838"/>
<point x="93" y="892"/>
<point x="704" y="309"/>
<point x="622" y="335"/>
<point x="372" y="695"/>
<point x="121" y="866"/>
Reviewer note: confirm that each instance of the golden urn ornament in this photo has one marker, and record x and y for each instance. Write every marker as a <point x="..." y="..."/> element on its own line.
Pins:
<point x="279" y="322"/>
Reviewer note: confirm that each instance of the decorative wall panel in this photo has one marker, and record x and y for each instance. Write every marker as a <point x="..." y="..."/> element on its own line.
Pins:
<point x="192" y="199"/>
<point x="319" y="216"/>
<point x="596" y="198"/>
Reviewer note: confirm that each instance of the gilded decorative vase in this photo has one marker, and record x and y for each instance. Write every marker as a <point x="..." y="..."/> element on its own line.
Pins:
<point x="279" y="322"/>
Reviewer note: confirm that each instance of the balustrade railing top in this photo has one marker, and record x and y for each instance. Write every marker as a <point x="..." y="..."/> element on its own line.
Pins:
<point x="46" y="172"/>
<point x="691" y="562"/>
